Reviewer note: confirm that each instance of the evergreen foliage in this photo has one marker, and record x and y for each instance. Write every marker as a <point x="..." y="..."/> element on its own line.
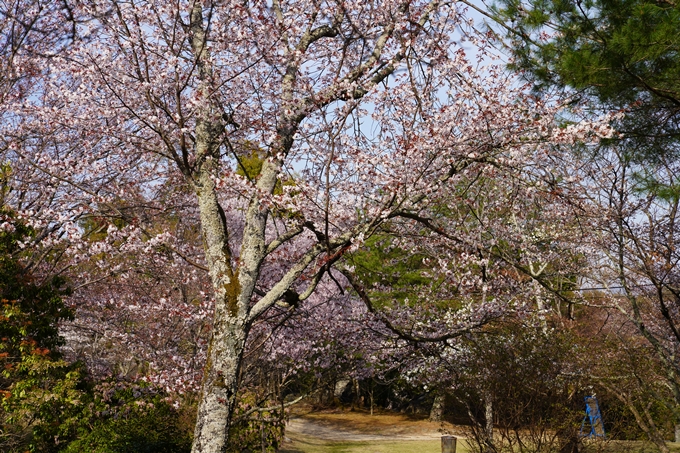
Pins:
<point x="392" y="273"/>
<point x="621" y="53"/>
<point x="39" y="390"/>
<point x="130" y="418"/>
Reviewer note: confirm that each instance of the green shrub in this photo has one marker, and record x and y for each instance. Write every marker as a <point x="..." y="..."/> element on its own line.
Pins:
<point x="131" y="418"/>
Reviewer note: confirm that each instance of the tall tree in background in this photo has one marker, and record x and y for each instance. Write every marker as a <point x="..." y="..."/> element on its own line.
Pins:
<point x="637" y="243"/>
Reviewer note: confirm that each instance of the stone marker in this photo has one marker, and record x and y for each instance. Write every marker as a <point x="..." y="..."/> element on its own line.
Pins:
<point x="448" y="444"/>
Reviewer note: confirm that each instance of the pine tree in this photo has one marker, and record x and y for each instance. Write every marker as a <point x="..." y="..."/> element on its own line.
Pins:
<point x="620" y="53"/>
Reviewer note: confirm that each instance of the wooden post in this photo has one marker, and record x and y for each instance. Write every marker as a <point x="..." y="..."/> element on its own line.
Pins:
<point x="448" y="444"/>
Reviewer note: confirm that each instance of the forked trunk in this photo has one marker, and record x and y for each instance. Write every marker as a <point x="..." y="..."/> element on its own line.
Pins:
<point x="230" y="325"/>
<point x="229" y="330"/>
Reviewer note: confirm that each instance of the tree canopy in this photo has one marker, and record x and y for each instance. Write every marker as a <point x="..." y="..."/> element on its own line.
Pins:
<point x="249" y="194"/>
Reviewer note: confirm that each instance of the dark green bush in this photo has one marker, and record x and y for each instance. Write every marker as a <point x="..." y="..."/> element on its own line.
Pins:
<point x="130" y="418"/>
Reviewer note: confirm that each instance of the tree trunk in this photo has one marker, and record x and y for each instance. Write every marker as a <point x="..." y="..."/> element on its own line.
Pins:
<point x="488" y="417"/>
<point x="230" y="326"/>
<point x="220" y="384"/>
<point x="230" y="322"/>
<point x="356" y="401"/>
<point x="437" y="410"/>
<point x="645" y="423"/>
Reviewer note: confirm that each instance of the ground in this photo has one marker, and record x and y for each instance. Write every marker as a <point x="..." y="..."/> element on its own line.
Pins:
<point x="344" y="431"/>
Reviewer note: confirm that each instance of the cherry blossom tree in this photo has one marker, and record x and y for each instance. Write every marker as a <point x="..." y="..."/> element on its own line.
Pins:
<point x="31" y="33"/>
<point x="365" y="112"/>
<point x="31" y="28"/>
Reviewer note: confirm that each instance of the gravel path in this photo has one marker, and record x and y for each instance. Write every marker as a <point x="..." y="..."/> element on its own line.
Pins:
<point x="325" y="431"/>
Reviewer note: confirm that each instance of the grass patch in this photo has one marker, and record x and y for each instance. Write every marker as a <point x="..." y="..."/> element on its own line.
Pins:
<point x="631" y="446"/>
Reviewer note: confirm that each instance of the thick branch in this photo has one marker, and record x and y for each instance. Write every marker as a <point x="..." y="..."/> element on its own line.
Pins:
<point x="284" y="283"/>
<point x="282" y="239"/>
<point x="340" y="245"/>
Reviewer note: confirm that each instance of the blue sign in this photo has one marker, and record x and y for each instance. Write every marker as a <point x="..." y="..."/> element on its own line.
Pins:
<point x="593" y="416"/>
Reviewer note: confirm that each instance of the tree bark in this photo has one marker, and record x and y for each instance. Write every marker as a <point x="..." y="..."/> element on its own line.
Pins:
<point x="230" y="325"/>
<point x="218" y="394"/>
<point x="437" y="410"/>
<point x="488" y="418"/>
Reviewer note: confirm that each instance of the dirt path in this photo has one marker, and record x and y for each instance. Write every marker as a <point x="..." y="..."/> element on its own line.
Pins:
<point x="358" y="426"/>
<point x="336" y="433"/>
